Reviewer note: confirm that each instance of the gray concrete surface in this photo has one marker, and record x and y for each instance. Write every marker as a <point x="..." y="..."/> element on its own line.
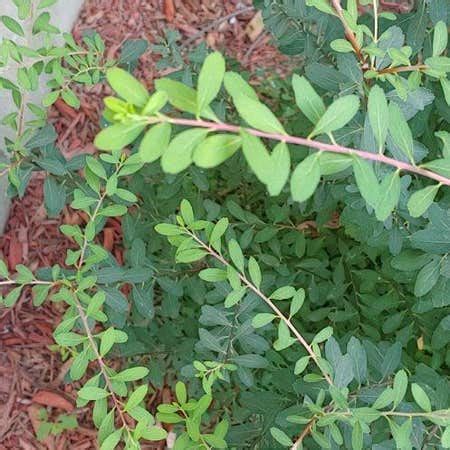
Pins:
<point x="64" y="14"/>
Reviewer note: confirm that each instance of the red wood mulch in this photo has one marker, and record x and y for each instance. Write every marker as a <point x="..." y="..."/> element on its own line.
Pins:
<point x="31" y="374"/>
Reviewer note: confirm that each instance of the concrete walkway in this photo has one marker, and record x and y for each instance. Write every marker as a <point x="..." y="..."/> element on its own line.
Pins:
<point x="63" y="14"/>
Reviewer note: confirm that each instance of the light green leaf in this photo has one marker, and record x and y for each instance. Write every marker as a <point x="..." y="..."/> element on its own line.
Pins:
<point x="440" y="166"/>
<point x="323" y="335"/>
<point x="210" y="80"/>
<point x="338" y="114"/>
<point x="445" y="84"/>
<point x="254" y="271"/>
<point x="257" y="156"/>
<point x="283" y="293"/>
<point x="420" y="397"/>
<point x="331" y="163"/>
<point x="131" y="374"/>
<point x="400" y="131"/>
<point x="118" y="136"/>
<point x="136" y="397"/>
<point x="262" y="319"/>
<point x="155" y="142"/>
<point x="213" y="275"/>
<point x="366" y="181"/>
<point x="445" y="439"/>
<point x="301" y="365"/>
<point x="378" y="115"/>
<point x="236" y="255"/>
<point x="182" y="97"/>
<point x="12" y="25"/>
<point x="281" y="437"/>
<point x="216" y="149"/>
<point x="155" y="103"/>
<point x="236" y="85"/>
<point x="307" y="99"/>
<point x="399" y="387"/>
<point x="112" y="440"/>
<point x="384" y="399"/>
<point x="127" y="86"/>
<point x="389" y="195"/>
<point x="281" y="166"/>
<point x="235" y="297"/>
<point x="219" y="230"/>
<point x="297" y="302"/>
<point x="154" y="433"/>
<point x="421" y="200"/>
<point x="357" y="436"/>
<point x="257" y="115"/>
<point x="180" y="391"/>
<point x="439" y="63"/>
<point x="178" y="156"/>
<point x="306" y="177"/>
<point x="440" y="38"/>
<point x="341" y="46"/>
<point x="92" y="393"/>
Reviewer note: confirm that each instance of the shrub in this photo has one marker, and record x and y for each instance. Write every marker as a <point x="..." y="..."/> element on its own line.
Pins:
<point x="315" y="307"/>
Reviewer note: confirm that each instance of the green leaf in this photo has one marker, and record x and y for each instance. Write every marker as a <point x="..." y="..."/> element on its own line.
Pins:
<point x="235" y="297"/>
<point x="281" y="166"/>
<point x="132" y="374"/>
<point x="168" y="229"/>
<point x="378" y="115"/>
<point x="337" y="115"/>
<point x="154" y="433"/>
<point x="420" y="397"/>
<point x="257" y="115"/>
<point x="254" y="271"/>
<point x="357" y="436"/>
<point x="219" y="230"/>
<point x="281" y="437"/>
<point x="366" y="181"/>
<point x="257" y="156"/>
<point x="180" y="391"/>
<point x="283" y="293"/>
<point x="323" y="335"/>
<point x="127" y="86"/>
<point x="210" y="80"/>
<point x="112" y="440"/>
<point x="92" y="393"/>
<point x="399" y="387"/>
<point x="155" y="142"/>
<point x="421" y="200"/>
<point x="178" y="156"/>
<point x="187" y="213"/>
<point x="213" y="275"/>
<point x="12" y="297"/>
<point x="301" y="365"/>
<point x="400" y="131"/>
<point x="445" y="438"/>
<point x="262" y="319"/>
<point x="341" y="46"/>
<point x="236" y="85"/>
<point x="307" y="99"/>
<point x="440" y="166"/>
<point x="331" y="163"/>
<point x="427" y="278"/>
<point x="439" y="63"/>
<point x="155" y="103"/>
<point x="445" y="84"/>
<point x="136" y="397"/>
<point x="297" y="302"/>
<point x="182" y="97"/>
<point x="12" y="25"/>
<point x="440" y="38"/>
<point x="216" y="149"/>
<point x="4" y="273"/>
<point x="306" y="177"/>
<point x="118" y="136"/>
<point x="389" y="195"/>
<point x="236" y="255"/>
<point x="384" y="399"/>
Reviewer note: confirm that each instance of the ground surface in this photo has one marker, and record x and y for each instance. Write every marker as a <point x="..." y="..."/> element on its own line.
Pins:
<point x="31" y="375"/>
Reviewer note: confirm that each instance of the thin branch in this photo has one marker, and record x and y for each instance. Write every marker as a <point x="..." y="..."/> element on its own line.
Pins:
<point x="317" y="145"/>
<point x="269" y="302"/>
<point x="304" y="433"/>
<point x="348" y="32"/>
<point x="388" y="70"/>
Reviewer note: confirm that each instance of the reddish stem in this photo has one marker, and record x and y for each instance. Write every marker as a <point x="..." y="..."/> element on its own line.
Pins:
<point x="317" y="145"/>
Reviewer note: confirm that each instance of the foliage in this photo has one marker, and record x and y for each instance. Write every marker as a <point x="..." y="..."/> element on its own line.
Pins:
<point x="308" y="301"/>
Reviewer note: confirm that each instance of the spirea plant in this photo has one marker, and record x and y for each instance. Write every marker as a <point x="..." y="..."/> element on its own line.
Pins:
<point x="286" y="267"/>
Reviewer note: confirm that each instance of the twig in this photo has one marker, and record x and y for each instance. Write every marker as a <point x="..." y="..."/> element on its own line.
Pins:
<point x="403" y="69"/>
<point x="269" y="302"/>
<point x="316" y="145"/>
